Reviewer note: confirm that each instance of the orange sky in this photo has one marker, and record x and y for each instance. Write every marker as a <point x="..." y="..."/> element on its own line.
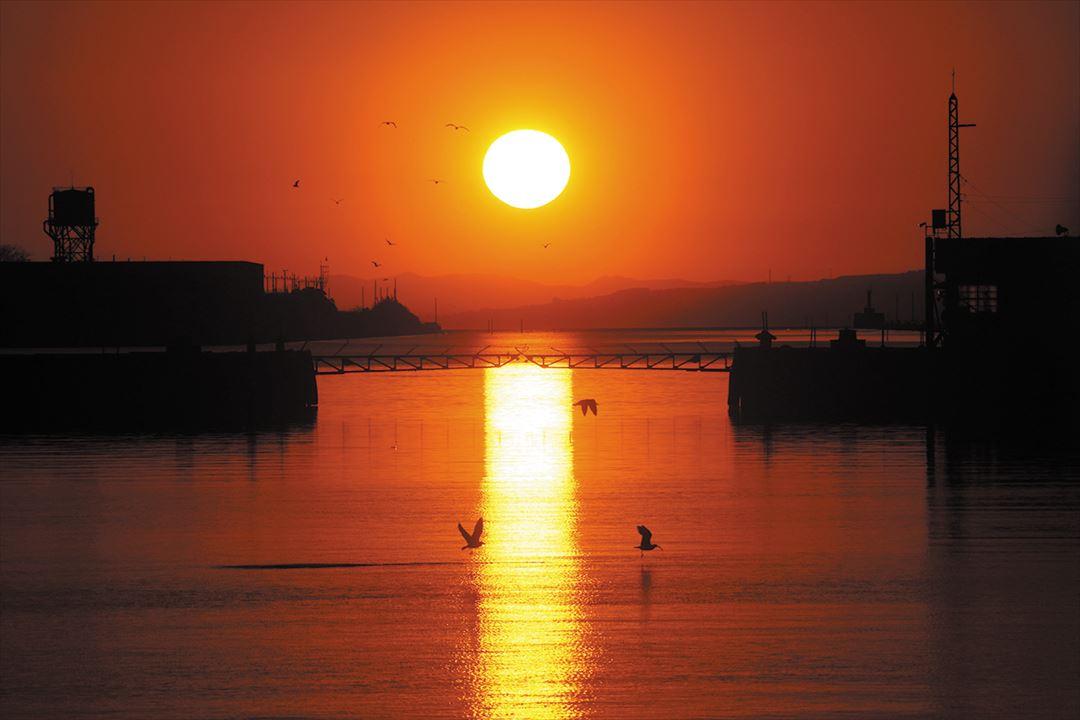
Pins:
<point x="707" y="141"/>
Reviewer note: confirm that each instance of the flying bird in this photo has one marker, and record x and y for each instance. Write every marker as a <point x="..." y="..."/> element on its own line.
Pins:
<point x="586" y="405"/>
<point x="546" y="245"/>
<point x="376" y="264"/>
<point x="457" y="127"/>
<point x="646" y="540"/>
<point x="391" y="123"/>
<point x="435" y="181"/>
<point x="472" y="540"/>
<point x="296" y="183"/>
<point x="389" y="242"/>
<point x="337" y="201"/>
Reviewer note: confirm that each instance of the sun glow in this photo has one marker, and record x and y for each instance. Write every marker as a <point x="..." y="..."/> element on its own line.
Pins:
<point x="526" y="168"/>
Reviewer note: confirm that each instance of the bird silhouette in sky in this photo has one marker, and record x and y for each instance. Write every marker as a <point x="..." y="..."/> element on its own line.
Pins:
<point x="547" y="245"/>
<point x="472" y="540"/>
<point x="646" y="540"/>
<point x="376" y="264"/>
<point x="586" y="405"/>
<point x="296" y="183"/>
<point x="391" y="123"/>
<point x="389" y="242"/>
<point x="435" y="181"/>
<point x="452" y="126"/>
<point x="337" y="201"/>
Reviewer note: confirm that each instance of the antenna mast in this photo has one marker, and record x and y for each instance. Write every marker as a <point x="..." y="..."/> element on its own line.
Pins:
<point x="954" y="227"/>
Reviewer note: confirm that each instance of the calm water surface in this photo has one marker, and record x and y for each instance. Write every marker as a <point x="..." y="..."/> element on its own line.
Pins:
<point x="809" y="571"/>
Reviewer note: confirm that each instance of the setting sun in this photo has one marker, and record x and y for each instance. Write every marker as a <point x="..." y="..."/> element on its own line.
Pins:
<point x="526" y="168"/>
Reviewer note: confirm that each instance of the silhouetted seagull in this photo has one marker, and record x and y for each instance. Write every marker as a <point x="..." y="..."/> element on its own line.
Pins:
<point x="388" y="242"/>
<point x="337" y="201"/>
<point x="376" y="264"/>
<point x="472" y="541"/>
<point x="457" y="127"/>
<point x="586" y="405"/>
<point x="296" y="183"/>
<point x="646" y="540"/>
<point x="546" y="245"/>
<point x="435" y="181"/>
<point x="391" y="123"/>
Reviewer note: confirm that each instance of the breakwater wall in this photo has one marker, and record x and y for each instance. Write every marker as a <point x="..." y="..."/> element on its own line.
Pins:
<point x="861" y="383"/>
<point x="137" y="391"/>
<point x="1036" y="387"/>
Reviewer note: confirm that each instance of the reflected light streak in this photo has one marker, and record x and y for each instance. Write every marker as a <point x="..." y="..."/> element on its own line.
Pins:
<point x="533" y="657"/>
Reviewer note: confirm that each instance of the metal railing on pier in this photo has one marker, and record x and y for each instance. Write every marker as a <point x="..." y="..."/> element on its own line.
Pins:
<point x="345" y="362"/>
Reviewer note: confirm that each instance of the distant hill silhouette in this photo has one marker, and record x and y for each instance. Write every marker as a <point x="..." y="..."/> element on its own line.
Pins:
<point x="824" y="302"/>
<point x="463" y="293"/>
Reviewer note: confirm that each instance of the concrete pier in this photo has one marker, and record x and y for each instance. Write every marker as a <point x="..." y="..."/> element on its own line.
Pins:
<point x="184" y="389"/>
<point x="849" y="383"/>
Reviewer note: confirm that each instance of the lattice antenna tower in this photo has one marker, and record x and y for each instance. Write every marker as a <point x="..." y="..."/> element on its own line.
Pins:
<point x="954" y="228"/>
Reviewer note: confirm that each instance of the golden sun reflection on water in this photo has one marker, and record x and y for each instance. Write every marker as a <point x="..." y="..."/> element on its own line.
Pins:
<point x="532" y="652"/>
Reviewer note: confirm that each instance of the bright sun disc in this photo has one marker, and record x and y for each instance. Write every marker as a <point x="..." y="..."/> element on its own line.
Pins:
<point x="526" y="168"/>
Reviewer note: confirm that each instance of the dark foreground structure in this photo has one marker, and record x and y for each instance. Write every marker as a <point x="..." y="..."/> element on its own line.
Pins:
<point x="1001" y="312"/>
<point x="158" y="304"/>
<point x="168" y="312"/>
<point x="156" y="390"/>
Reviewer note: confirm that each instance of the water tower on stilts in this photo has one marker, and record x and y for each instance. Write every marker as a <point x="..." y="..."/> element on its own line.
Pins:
<point x="71" y="224"/>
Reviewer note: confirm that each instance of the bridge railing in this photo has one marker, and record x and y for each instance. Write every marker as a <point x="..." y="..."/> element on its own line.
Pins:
<point x="344" y="362"/>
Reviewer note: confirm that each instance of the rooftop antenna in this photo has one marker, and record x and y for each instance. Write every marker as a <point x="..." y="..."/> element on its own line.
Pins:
<point x="954" y="227"/>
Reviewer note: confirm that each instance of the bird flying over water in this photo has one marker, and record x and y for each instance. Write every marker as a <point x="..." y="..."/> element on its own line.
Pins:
<point x="646" y="540"/>
<point x="586" y="405"/>
<point x="376" y="264"/>
<point x="472" y="540"/>
<point x="296" y="183"/>
<point x="391" y="123"/>
<point x="457" y="127"/>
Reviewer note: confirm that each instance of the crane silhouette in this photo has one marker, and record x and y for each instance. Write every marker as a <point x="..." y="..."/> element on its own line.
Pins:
<point x="472" y="540"/>
<point x="646" y="540"/>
